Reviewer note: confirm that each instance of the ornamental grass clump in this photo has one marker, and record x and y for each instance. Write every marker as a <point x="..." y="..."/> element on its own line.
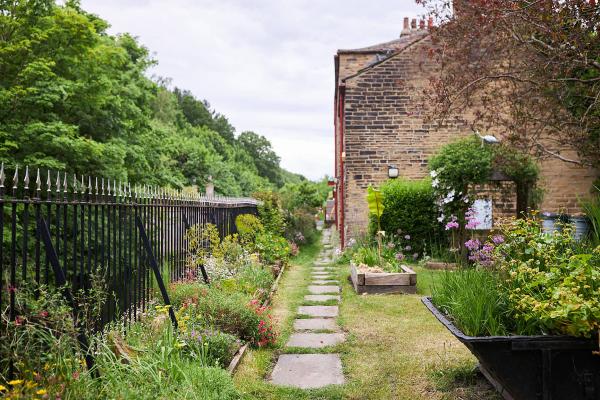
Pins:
<point x="474" y="301"/>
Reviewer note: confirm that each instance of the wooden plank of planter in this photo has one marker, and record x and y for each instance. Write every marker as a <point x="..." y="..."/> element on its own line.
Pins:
<point x="385" y="279"/>
<point x="413" y="274"/>
<point x="383" y="289"/>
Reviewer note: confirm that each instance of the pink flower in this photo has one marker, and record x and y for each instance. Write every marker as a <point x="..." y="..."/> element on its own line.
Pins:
<point x="452" y="225"/>
<point x="498" y="239"/>
<point x="399" y="256"/>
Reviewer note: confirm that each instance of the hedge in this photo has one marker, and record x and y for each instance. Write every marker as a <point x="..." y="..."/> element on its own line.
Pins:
<point x="409" y="209"/>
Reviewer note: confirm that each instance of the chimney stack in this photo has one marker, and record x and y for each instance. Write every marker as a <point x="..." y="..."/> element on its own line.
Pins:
<point x="430" y="23"/>
<point x="413" y="24"/>
<point x="406" y="27"/>
<point x="422" y="24"/>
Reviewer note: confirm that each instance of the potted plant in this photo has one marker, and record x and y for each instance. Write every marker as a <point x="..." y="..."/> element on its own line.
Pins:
<point x="530" y="312"/>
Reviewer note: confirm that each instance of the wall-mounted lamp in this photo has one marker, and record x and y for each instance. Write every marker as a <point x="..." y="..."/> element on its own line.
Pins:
<point x="487" y="139"/>
<point x="393" y="171"/>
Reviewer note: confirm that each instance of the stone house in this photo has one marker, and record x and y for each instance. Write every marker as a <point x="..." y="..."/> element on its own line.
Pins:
<point x="378" y="123"/>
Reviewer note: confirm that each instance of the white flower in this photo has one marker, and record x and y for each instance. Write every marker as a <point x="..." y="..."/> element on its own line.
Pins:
<point x="435" y="183"/>
<point x="441" y="218"/>
<point x="433" y="173"/>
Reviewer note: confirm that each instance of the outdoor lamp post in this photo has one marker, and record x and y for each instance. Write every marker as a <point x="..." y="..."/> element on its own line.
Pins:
<point x="393" y="171"/>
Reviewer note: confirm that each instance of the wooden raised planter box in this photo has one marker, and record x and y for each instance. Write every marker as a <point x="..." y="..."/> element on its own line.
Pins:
<point x="384" y="282"/>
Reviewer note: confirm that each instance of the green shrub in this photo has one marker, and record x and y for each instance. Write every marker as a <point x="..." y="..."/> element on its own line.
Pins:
<point x="300" y="226"/>
<point x="232" y="313"/>
<point x="213" y="346"/>
<point x="248" y="226"/>
<point x="410" y="211"/>
<point x="272" y="248"/>
<point x="270" y="212"/>
<point x="551" y="288"/>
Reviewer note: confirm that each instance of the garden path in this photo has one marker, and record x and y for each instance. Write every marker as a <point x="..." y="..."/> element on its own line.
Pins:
<point x="314" y="328"/>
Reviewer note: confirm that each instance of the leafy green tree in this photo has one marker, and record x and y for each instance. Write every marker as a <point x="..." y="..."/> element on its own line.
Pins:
<point x="265" y="158"/>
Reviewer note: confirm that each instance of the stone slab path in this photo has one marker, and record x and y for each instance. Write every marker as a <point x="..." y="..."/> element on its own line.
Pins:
<point x="316" y="328"/>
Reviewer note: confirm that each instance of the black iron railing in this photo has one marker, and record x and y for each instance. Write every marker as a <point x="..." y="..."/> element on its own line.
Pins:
<point x="92" y="226"/>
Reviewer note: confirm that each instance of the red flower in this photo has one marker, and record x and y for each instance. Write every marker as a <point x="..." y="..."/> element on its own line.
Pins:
<point x="19" y="320"/>
<point x="43" y="314"/>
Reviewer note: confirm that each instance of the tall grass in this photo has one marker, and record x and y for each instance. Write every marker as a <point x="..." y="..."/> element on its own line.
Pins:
<point x="473" y="301"/>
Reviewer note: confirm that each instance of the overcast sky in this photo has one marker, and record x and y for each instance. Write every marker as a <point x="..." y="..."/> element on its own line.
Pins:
<point x="266" y="64"/>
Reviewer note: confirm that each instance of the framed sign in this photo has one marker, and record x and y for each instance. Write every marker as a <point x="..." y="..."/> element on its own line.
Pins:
<point x="482" y="213"/>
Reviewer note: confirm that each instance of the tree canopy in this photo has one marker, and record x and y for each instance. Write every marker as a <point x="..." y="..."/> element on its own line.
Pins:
<point x="75" y="98"/>
<point x="528" y="68"/>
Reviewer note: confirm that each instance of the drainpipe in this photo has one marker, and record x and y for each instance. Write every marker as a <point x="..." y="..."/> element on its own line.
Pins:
<point x="341" y="181"/>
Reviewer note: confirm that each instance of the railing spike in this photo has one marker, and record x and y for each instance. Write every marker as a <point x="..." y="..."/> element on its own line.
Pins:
<point x="2" y="176"/>
<point x="75" y="183"/>
<point x="26" y="179"/>
<point x="129" y="188"/>
<point x="108" y="191"/>
<point x="16" y="177"/>
<point x="89" y="185"/>
<point x="57" y="181"/>
<point x="65" y="184"/>
<point x="96" y="187"/>
<point x="82" y="187"/>
<point x="115" y="187"/>
<point x="38" y="182"/>
<point x="102" y="187"/>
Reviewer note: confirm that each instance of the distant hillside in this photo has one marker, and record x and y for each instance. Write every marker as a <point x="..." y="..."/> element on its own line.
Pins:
<point x="73" y="97"/>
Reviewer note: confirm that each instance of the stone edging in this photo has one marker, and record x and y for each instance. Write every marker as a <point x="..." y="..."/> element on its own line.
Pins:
<point x="237" y="358"/>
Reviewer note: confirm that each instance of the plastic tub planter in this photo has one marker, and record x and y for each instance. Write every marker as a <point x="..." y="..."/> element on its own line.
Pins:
<point x="384" y="282"/>
<point x="534" y="367"/>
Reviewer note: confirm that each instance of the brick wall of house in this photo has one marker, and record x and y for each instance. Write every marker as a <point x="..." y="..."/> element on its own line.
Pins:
<point x="384" y="125"/>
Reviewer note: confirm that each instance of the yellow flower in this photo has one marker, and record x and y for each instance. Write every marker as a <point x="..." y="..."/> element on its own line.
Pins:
<point x="41" y="392"/>
<point x="15" y="382"/>
<point x="30" y="384"/>
<point x="3" y="388"/>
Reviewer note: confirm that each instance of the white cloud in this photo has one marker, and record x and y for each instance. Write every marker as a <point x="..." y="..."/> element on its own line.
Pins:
<point x="266" y="64"/>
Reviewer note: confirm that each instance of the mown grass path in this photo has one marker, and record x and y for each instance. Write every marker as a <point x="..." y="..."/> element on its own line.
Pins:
<point x="393" y="349"/>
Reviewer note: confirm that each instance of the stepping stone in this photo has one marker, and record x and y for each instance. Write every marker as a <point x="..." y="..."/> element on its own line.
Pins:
<point x="308" y="371"/>
<point x="315" y="324"/>
<point x="314" y="289"/>
<point x="321" y="297"/>
<point x="321" y="269"/>
<point x="319" y="311"/>
<point x="324" y="282"/>
<point x="314" y="340"/>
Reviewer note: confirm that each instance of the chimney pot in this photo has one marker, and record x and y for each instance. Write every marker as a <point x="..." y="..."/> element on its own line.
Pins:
<point x="430" y="23"/>
<point x="422" y="24"/>
<point x="413" y="23"/>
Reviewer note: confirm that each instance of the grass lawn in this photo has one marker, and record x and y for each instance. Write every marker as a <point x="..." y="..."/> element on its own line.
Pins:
<point x="395" y="348"/>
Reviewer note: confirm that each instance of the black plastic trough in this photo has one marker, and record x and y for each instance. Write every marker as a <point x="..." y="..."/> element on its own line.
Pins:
<point x="534" y="367"/>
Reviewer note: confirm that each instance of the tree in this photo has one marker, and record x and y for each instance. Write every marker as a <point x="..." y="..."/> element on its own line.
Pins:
<point x="527" y="68"/>
<point x="265" y="159"/>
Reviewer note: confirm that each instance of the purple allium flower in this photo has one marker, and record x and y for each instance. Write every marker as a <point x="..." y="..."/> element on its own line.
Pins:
<point x="399" y="256"/>
<point x="487" y="248"/>
<point x="452" y="225"/>
<point x="407" y="237"/>
<point x="391" y="245"/>
<point x="473" y="244"/>
<point x="408" y="248"/>
<point x="415" y="256"/>
<point x="498" y="239"/>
